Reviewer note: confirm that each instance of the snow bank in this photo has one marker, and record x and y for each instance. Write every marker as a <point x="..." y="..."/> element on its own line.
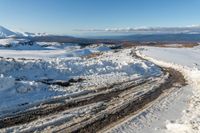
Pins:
<point x="66" y="68"/>
<point x="104" y="70"/>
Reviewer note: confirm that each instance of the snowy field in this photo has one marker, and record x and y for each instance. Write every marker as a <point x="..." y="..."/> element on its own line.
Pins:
<point x="24" y="48"/>
<point x="91" y="82"/>
<point x="178" y="112"/>
<point x="35" y="73"/>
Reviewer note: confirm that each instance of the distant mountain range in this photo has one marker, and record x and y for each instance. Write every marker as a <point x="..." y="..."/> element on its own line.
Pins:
<point x="178" y="37"/>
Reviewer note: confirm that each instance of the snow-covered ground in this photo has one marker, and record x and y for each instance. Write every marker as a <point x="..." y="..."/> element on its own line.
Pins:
<point x="23" y="70"/>
<point x="187" y="57"/>
<point x="185" y="60"/>
<point x="178" y="112"/>
<point x="31" y="70"/>
<point x="24" y="48"/>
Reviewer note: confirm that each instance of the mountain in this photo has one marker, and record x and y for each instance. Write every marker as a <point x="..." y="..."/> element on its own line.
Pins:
<point x="29" y="34"/>
<point x="6" y="32"/>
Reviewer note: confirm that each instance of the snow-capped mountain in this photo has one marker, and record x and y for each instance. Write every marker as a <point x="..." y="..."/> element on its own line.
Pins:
<point x="6" y="32"/>
<point x="28" y="34"/>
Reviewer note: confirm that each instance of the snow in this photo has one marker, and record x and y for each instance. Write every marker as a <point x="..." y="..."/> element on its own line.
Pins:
<point x="183" y="56"/>
<point x="6" y="82"/>
<point x="23" y="70"/>
<point x="153" y="119"/>
<point x="184" y="60"/>
<point x="29" y="34"/>
<point x="24" y="48"/>
<point x="6" y="33"/>
<point x="64" y="116"/>
<point x="24" y="64"/>
<point x="174" y="113"/>
<point x="11" y="41"/>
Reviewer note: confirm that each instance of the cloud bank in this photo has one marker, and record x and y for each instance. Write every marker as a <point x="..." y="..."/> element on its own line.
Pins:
<point x="193" y="29"/>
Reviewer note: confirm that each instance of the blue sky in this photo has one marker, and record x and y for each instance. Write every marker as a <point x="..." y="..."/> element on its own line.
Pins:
<point x="70" y="16"/>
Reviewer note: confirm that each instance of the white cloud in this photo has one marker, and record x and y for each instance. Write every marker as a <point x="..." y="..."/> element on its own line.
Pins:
<point x="186" y="29"/>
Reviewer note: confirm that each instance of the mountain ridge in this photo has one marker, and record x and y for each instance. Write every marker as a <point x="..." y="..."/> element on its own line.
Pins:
<point x="4" y="33"/>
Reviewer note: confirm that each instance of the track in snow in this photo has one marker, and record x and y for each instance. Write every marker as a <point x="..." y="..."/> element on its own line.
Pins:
<point x="96" y="109"/>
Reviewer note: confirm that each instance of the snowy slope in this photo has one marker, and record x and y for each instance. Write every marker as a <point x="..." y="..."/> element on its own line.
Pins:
<point x="185" y="60"/>
<point x="6" y="32"/>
